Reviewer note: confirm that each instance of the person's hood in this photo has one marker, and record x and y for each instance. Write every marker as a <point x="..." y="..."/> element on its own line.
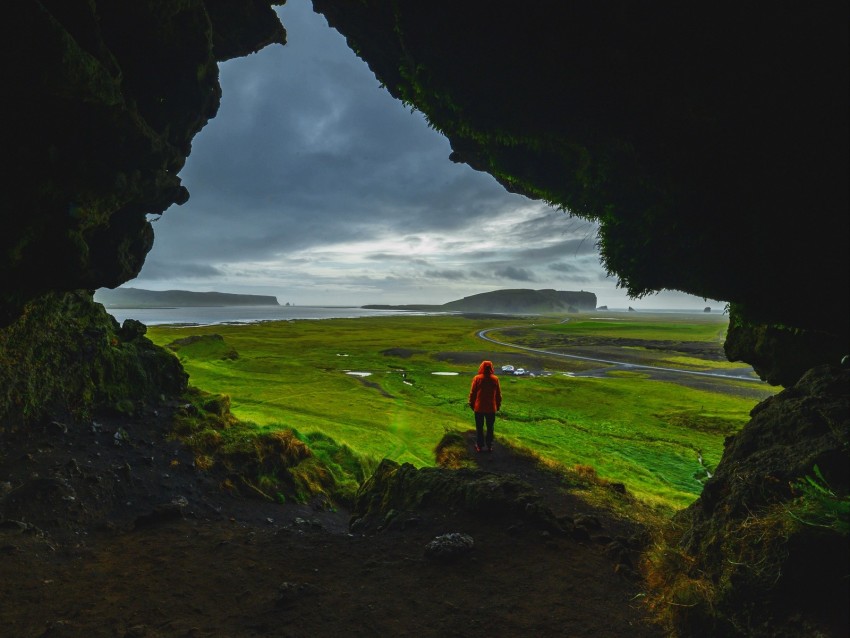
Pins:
<point x="486" y="367"/>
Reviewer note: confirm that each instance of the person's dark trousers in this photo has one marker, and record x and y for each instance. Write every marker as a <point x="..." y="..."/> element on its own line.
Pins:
<point x="480" y="419"/>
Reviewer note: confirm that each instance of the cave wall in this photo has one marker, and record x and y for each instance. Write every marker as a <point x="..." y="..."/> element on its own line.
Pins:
<point x="66" y="360"/>
<point x="710" y="142"/>
<point x="103" y="100"/>
<point x="767" y="540"/>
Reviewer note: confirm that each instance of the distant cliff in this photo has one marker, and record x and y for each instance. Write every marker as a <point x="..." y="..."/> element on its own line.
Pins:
<point x="512" y="300"/>
<point x="525" y="300"/>
<point x="139" y="298"/>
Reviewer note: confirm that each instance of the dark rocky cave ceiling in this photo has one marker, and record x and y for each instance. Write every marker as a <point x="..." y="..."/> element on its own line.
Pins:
<point x="710" y="142"/>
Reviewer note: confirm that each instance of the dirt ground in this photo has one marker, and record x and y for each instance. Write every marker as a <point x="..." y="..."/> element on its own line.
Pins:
<point x="108" y="530"/>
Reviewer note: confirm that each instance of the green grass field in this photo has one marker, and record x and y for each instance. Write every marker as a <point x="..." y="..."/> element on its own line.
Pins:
<point x="298" y="374"/>
<point x="673" y="328"/>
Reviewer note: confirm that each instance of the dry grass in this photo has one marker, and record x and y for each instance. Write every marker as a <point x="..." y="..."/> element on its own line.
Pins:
<point x="451" y="452"/>
<point x="675" y="585"/>
<point x="272" y="464"/>
<point x="741" y="561"/>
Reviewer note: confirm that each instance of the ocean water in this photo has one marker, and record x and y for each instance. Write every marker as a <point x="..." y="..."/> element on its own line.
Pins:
<point x="212" y="315"/>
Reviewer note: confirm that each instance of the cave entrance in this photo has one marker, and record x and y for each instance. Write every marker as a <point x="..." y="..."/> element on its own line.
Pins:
<point x="314" y="185"/>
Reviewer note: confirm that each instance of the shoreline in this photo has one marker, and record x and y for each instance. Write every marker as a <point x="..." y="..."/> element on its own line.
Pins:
<point x="237" y="315"/>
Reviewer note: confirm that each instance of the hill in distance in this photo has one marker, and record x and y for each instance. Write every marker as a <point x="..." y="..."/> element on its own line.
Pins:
<point x="140" y="298"/>
<point x="511" y="300"/>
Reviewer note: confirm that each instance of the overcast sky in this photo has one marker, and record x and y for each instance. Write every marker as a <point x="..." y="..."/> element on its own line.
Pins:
<point x="314" y="185"/>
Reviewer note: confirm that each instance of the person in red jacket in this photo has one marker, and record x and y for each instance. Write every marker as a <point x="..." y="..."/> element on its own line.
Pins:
<point x="485" y="399"/>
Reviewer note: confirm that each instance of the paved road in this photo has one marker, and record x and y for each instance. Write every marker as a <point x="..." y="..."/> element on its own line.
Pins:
<point x="743" y="374"/>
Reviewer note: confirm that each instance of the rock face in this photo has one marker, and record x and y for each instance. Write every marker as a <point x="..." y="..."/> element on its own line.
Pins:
<point x="713" y="158"/>
<point x="66" y="357"/>
<point x="780" y="355"/>
<point x="688" y="135"/>
<point x="395" y="491"/>
<point x="768" y="528"/>
<point x="107" y="99"/>
<point x="525" y="300"/>
<point x="449" y="547"/>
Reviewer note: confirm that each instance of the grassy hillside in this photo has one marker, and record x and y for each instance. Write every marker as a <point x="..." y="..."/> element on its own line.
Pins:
<point x="391" y="387"/>
<point x="525" y="300"/>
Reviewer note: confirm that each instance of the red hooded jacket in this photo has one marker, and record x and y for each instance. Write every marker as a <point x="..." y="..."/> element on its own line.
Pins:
<point x="485" y="395"/>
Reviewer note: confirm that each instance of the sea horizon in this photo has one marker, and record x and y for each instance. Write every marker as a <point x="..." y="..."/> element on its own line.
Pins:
<point x="214" y="315"/>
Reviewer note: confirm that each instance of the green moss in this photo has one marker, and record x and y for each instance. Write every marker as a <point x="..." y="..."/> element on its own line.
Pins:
<point x="204" y="347"/>
<point x="779" y="354"/>
<point x="67" y="356"/>
<point x="818" y="505"/>
<point x="275" y="462"/>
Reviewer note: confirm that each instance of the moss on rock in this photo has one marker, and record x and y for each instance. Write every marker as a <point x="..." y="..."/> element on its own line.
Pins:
<point x="780" y="355"/>
<point x="278" y="464"/>
<point x="66" y="356"/>
<point x="765" y="547"/>
<point x="395" y="488"/>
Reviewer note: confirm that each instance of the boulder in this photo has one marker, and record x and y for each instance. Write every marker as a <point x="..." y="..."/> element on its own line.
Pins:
<point x="769" y="534"/>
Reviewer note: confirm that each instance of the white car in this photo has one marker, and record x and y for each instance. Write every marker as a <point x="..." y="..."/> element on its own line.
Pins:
<point x="519" y="372"/>
<point x="507" y="368"/>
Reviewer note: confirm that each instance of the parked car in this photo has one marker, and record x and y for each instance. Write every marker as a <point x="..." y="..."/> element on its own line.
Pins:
<point x="519" y="372"/>
<point x="507" y="368"/>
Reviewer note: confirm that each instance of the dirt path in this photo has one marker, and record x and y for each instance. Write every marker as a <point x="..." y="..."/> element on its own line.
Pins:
<point x="130" y="540"/>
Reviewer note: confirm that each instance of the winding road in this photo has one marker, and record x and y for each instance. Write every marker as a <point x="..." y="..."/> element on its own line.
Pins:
<point x="744" y="374"/>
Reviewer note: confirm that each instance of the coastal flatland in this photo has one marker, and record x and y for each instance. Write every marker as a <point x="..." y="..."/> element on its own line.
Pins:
<point x="380" y="386"/>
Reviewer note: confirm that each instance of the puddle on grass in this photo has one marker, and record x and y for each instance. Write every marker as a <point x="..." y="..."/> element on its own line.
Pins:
<point x="446" y="374"/>
<point x="356" y="373"/>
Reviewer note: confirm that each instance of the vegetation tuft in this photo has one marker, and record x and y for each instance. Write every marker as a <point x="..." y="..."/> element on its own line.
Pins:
<point x="452" y="451"/>
<point x="817" y="505"/>
<point x="758" y="559"/>
<point x="65" y="357"/>
<point x="277" y="464"/>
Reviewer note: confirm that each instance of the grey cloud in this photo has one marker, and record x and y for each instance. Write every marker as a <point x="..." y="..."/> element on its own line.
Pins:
<point x="575" y="274"/>
<point x="550" y="223"/>
<point x="308" y="151"/>
<point x="562" y="267"/>
<point x="569" y="248"/>
<point x="477" y="255"/>
<point x="514" y="273"/>
<point x="156" y="270"/>
<point x="581" y="279"/>
<point x="452" y="275"/>
<point x="382" y="257"/>
<point x="309" y="148"/>
<point x="404" y="259"/>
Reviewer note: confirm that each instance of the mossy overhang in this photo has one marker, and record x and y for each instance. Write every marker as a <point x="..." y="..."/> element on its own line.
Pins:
<point x="709" y="142"/>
